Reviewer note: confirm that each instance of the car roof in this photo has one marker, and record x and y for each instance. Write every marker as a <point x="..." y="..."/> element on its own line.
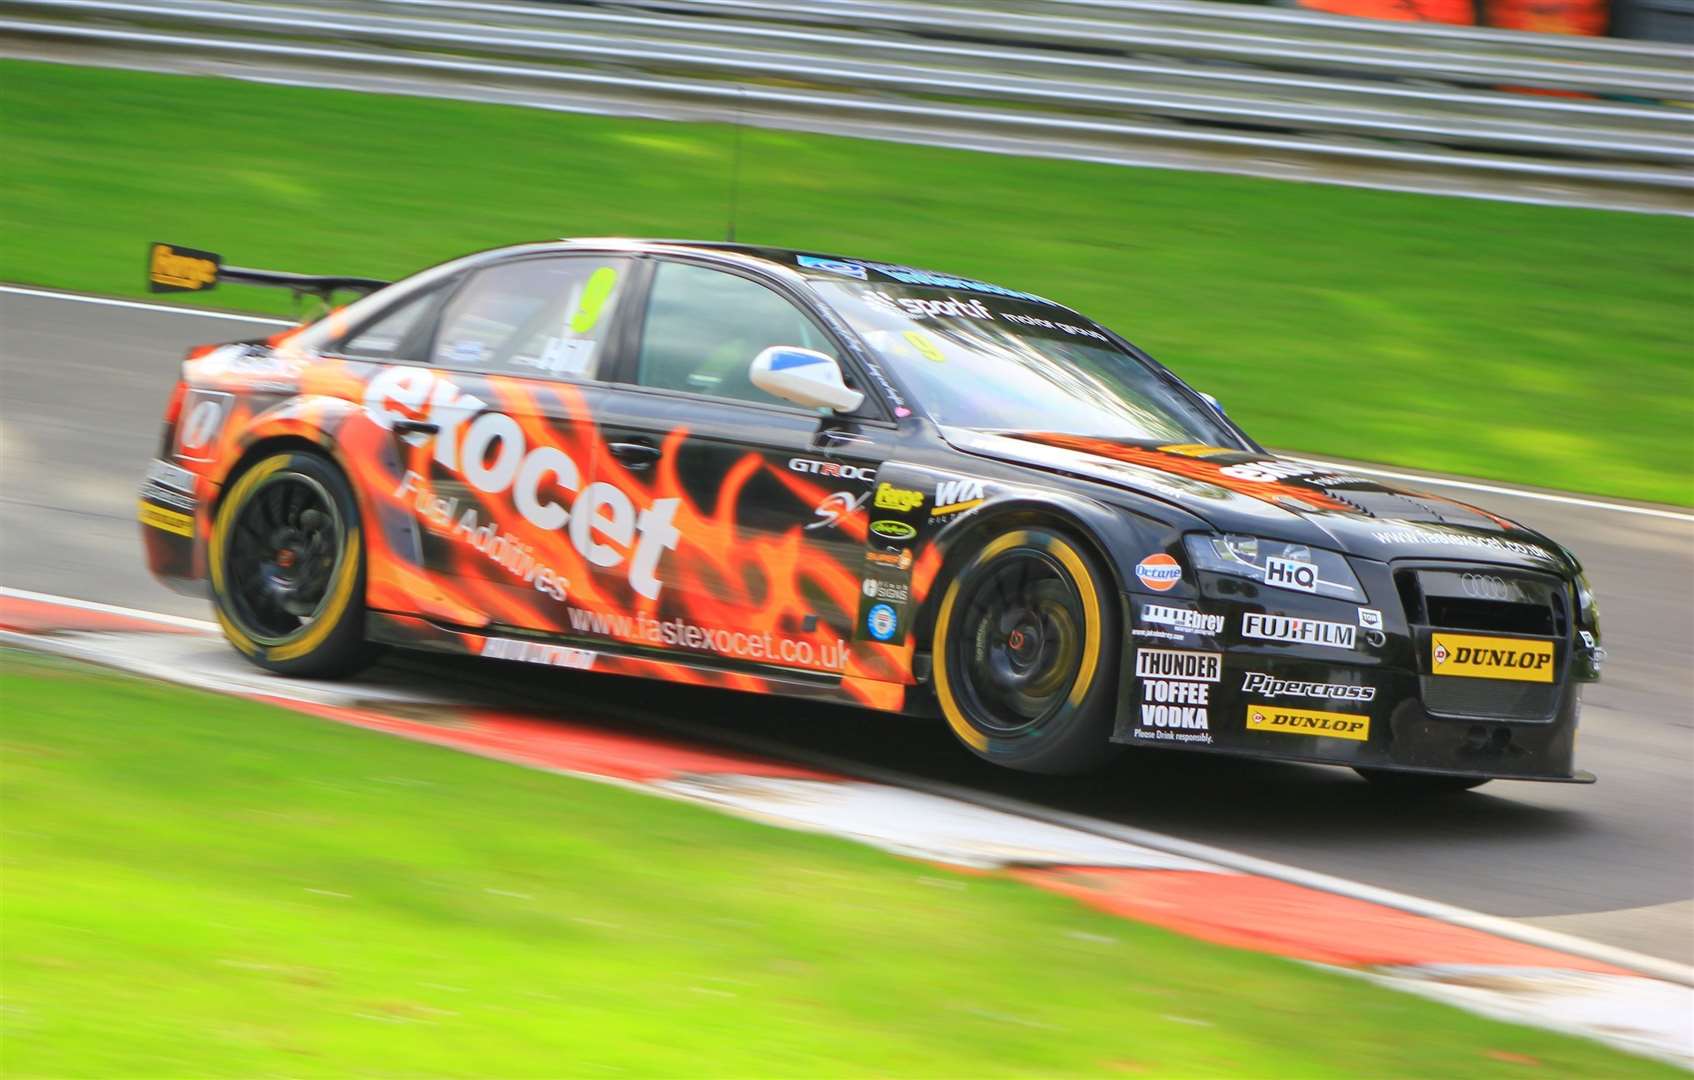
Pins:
<point x="816" y="264"/>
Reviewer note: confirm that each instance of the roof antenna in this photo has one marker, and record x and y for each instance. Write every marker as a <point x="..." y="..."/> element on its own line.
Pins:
<point x="735" y="164"/>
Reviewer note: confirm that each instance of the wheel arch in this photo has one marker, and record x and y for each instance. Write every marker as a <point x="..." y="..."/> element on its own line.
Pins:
<point x="970" y="535"/>
<point x="262" y="448"/>
<point x="304" y="423"/>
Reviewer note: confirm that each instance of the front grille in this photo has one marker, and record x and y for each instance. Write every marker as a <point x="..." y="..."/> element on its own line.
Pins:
<point x="1464" y="613"/>
<point x="1493" y="699"/>
<point x="1485" y="600"/>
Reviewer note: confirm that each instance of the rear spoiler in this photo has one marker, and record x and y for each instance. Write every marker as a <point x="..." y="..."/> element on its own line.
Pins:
<point x="171" y="268"/>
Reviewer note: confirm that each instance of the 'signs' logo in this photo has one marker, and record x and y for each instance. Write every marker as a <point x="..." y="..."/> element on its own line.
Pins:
<point x="174" y="269"/>
<point x="893" y="530"/>
<point x="1473" y="657"/>
<point x="1159" y="572"/>
<point x="1329" y="725"/>
<point x="889" y="497"/>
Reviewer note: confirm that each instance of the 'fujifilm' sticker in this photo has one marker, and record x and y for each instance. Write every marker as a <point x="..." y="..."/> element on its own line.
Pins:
<point x="1332" y="635"/>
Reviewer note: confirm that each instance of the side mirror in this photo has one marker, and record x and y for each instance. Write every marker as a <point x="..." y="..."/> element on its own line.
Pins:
<point x="806" y="377"/>
<point x="1217" y="406"/>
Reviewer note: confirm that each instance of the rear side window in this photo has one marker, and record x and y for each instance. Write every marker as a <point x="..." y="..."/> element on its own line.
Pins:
<point x="401" y="333"/>
<point x="539" y="318"/>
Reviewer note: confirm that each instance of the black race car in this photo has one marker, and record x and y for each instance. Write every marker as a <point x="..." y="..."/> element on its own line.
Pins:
<point x="829" y="477"/>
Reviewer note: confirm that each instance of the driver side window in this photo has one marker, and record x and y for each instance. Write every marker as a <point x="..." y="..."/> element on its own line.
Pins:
<point x="704" y="327"/>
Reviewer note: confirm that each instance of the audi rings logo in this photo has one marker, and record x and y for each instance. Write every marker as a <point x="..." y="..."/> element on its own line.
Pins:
<point x="1489" y="587"/>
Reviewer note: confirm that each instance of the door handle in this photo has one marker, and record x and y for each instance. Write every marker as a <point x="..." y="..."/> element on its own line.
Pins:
<point x="637" y="454"/>
<point x="415" y="427"/>
<point x="836" y="435"/>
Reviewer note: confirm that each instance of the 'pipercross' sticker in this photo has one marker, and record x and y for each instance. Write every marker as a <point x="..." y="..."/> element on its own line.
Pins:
<point x="1329" y="725"/>
<point x="1262" y="685"/>
<point x="1491" y="658"/>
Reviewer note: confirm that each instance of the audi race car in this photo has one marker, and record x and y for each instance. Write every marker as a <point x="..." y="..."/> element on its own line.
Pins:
<point x="835" y="478"/>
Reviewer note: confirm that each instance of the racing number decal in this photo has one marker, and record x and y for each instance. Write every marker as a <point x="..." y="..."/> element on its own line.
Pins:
<point x="203" y="414"/>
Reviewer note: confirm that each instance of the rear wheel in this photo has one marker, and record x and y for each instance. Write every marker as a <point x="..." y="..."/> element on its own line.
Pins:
<point x="1026" y="640"/>
<point x="287" y="567"/>
<point x="1419" y="785"/>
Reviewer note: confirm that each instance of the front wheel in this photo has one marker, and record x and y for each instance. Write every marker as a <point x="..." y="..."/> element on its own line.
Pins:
<point x="1419" y="785"/>
<point x="1026" y="639"/>
<point x="287" y="567"/>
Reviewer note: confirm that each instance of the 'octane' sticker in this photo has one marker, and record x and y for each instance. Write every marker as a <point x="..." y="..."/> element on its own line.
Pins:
<point x="1159" y="572"/>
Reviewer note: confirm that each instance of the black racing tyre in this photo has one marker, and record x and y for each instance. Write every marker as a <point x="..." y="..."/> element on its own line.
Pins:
<point x="1419" y="785"/>
<point x="1026" y="654"/>
<point x="287" y="564"/>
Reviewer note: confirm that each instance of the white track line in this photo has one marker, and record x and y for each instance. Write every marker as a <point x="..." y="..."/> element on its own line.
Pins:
<point x="1498" y="489"/>
<point x="109" y="301"/>
<point x="1499" y="926"/>
<point x="1468" y="485"/>
<point x="205" y="625"/>
<point x="1510" y="929"/>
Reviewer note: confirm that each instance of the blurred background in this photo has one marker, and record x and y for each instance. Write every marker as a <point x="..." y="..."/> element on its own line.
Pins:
<point x="1449" y="237"/>
<point x="1347" y="227"/>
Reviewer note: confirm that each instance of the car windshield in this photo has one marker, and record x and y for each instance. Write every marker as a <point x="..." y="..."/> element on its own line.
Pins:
<point x="998" y="363"/>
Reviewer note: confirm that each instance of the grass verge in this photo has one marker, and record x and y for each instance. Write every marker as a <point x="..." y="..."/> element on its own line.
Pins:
<point x="1523" y="343"/>
<point x="203" y="886"/>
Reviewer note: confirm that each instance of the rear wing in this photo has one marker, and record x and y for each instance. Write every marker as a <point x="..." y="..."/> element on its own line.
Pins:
<point x="171" y="268"/>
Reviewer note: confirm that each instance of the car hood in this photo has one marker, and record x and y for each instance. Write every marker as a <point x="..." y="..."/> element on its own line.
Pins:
<point x="1244" y="492"/>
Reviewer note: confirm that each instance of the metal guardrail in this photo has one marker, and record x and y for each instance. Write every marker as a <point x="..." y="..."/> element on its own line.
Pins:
<point x="1606" y="119"/>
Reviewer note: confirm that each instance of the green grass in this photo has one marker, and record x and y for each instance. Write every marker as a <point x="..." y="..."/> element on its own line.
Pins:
<point x="202" y="886"/>
<point x="1535" y="344"/>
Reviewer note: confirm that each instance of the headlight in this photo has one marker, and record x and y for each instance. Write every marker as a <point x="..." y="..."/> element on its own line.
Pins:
<point x="1276" y="564"/>
<point x="1587" y="606"/>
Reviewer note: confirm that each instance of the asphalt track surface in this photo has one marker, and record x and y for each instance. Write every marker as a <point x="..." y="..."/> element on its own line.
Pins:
<point x="82" y="386"/>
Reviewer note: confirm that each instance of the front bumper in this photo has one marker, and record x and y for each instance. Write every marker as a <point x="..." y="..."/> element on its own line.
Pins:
<point x="172" y="510"/>
<point x="1361" y="689"/>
